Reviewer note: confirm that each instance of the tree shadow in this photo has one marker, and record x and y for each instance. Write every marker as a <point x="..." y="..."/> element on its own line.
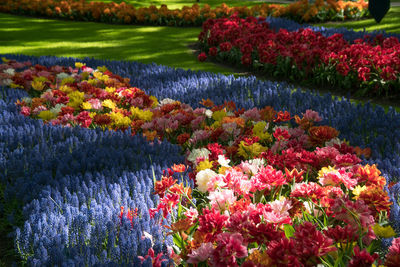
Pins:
<point x="390" y="23"/>
<point x="147" y="44"/>
<point x="172" y="4"/>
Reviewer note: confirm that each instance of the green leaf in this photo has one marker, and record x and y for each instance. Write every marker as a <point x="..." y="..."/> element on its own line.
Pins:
<point x="179" y="208"/>
<point x="289" y="230"/>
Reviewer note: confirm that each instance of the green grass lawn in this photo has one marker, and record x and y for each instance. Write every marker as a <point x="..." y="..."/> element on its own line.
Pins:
<point x="390" y="23"/>
<point x="172" y="4"/>
<point x="162" y="45"/>
<point x="146" y="44"/>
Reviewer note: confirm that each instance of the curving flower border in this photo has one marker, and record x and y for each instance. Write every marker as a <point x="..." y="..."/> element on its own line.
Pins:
<point x="195" y="15"/>
<point x="250" y="133"/>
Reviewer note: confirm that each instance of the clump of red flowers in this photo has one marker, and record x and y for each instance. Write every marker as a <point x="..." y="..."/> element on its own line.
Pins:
<point x="371" y="64"/>
<point x="202" y="57"/>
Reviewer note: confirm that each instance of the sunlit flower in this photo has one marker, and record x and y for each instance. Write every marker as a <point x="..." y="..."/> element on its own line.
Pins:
<point x="250" y="151"/>
<point x="57" y="109"/>
<point x="354" y="213"/>
<point x="260" y="130"/>
<point x="178" y="167"/>
<point x="224" y="162"/>
<point x="26" y="111"/>
<point x="309" y="190"/>
<point x="197" y="153"/>
<point x="95" y="103"/>
<point x="376" y="199"/>
<point x="79" y="65"/>
<point x="9" y="71"/>
<point x="219" y="115"/>
<point x="75" y="99"/>
<point x="215" y="182"/>
<point x="202" y="178"/>
<point x="320" y="134"/>
<point x="84" y="119"/>
<point x="203" y="165"/>
<point x="61" y="76"/>
<point x="66" y="89"/>
<point x="383" y="231"/>
<point x="108" y="103"/>
<point x="86" y="105"/>
<point x="312" y="115"/>
<point x="282" y="206"/>
<point x="208" y="113"/>
<point x="46" y="115"/>
<point x="67" y="80"/>
<point x="221" y="199"/>
<point x="331" y="176"/>
<point x="358" y="189"/>
<point x="141" y="114"/>
<point x="276" y="218"/>
<point x="110" y="90"/>
<point x="370" y="175"/>
<point x="38" y="85"/>
<point x="267" y="177"/>
<point x="192" y="214"/>
<point x="200" y="254"/>
<point x="41" y="108"/>
<point x="119" y="120"/>
<point x="166" y="101"/>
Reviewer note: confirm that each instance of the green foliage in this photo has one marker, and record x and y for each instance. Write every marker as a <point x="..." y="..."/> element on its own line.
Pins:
<point x="180" y="3"/>
<point x="162" y="45"/>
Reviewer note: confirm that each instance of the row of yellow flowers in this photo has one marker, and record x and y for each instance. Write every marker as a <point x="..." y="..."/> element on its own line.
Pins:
<point x="302" y="11"/>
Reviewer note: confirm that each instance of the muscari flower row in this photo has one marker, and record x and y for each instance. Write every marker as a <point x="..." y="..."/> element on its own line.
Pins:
<point x="355" y="123"/>
<point x="72" y="183"/>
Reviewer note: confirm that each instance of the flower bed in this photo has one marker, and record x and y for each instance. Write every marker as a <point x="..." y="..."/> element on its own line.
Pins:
<point x="69" y="184"/>
<point x="367" y="67"/>
<point x="203" y="132"/>
<point x="187" y="16"/>
<point x="348" y="34"/>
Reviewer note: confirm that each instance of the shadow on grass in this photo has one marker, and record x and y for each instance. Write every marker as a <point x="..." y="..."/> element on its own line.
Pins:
<point x="172" y="4"/>
<point x="390" y="23"/>
<point x="162" y="45"/>
<point x="146" y="44"/>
